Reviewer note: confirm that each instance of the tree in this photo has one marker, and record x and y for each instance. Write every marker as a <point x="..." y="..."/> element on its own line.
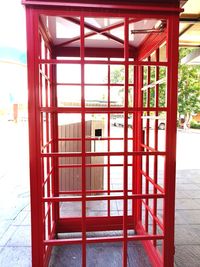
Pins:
<point x="188" y="87"/>
<point x="118" y="77"/>
<point x="162" y="86"/>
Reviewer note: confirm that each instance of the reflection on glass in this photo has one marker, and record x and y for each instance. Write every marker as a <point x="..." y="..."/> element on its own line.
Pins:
<point x="68" y="73"/>
<point x="96" y="96"/>
<point x="96" y="74"/>
<point x="69" y="96"/>
<point x="117" y="96"/>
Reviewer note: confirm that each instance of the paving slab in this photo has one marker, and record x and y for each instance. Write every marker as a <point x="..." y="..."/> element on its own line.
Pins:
<point x="99" y="255"/>
<point x="15" y="257"/>
<point x="21" y="237"/>
<point x="187" y="256"/>
<point x="15" y="246"/>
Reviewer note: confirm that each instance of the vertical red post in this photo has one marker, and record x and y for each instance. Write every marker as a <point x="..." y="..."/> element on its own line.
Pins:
<point x="147" y="137"/>
<point x="37" y="231"/>
<point x="109" y="124"/>
<point x="155" y="171"/>
<point x="138" y="141"/>
<point x="125" y="167"/>
<point x="170" y="168"/>
<point x="82" y="53"/>
<point x="54" y="131"/>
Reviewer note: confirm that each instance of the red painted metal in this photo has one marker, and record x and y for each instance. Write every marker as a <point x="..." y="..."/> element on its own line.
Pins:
<point x="35" y="166"/>
<point x="125" y="167"/>
<point x="92" y="52"/>
<point x="102" y="62"/>
<point x="83" y="129"/>
<point x="170" y="168"/>
<point x="148" y="188"/>
<point x="97" y="30"/>
<point x="172" y="7"/>
<point x="151" y="43"/>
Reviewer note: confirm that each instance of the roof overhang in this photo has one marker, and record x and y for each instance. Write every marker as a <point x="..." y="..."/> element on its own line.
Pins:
<point x="193" y="58"/>
<point x="190" y="24"/>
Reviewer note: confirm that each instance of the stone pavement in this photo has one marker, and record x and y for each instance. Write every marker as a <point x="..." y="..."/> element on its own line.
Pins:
<point x="15" y="241"/>
<point x="187" y="231"/>
<point x="15" y="244"/>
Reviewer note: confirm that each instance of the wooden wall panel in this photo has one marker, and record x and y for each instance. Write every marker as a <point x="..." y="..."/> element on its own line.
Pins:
<point x="70" y="178"/>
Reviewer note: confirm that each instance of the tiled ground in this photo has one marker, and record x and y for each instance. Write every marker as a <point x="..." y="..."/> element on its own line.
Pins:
<point x="187" y="235"/>
<point x="99" y="255"/>
<point x="15" y="245"/>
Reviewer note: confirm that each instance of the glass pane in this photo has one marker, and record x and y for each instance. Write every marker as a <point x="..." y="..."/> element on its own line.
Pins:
<point x="116" y="96"/>
<point x="68" y="73"/>
<point x="96" y="73"/>
<point x="96" y="96"/>
<point x="69" y="96"/>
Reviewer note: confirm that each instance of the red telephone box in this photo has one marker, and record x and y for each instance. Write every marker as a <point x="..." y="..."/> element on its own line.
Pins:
<point x="102" y="80"/>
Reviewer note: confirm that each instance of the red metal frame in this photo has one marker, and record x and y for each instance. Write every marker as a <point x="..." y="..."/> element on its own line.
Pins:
<point x="149" y="187"/>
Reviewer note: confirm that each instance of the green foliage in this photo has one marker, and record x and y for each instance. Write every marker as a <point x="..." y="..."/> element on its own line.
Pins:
<point x="188" y="87"/>
<point x="117" y="76"/>
<point x="194" y="125"/>
<point x="152" y="92"/>
<point x="162" y="87"/>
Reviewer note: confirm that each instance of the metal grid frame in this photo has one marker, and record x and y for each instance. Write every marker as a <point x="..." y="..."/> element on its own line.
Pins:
<point x="44" y="139"/>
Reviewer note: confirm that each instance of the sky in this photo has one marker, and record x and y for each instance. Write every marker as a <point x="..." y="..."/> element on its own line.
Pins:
<point x="13" y="81"/>
<point x="12" y="24"/>
<point x="13" y="35"/>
